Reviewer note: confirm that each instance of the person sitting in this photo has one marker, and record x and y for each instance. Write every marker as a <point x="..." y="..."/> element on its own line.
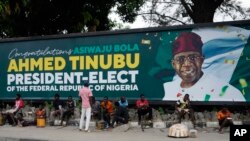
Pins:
<point x="19" y="105"/>
<point x="123" y="102"/>
<point x="183" y="107"/>
<point x="224" y="118"/>
<point x="143" y="108"/>
<point x="21" y="122"/>
<point x="40" y="112"/>
<point x="96" y="109"/>
<point x="58" y="110"/>
<point x="120" y="116"/>
<point x="69" y="111"/>
<point x="107" y="111"/>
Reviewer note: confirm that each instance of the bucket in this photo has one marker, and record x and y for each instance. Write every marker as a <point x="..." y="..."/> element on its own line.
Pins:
<point x="40" y="122"/>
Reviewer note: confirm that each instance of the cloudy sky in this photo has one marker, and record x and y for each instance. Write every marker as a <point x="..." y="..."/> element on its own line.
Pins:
<point x="139" y="23"/>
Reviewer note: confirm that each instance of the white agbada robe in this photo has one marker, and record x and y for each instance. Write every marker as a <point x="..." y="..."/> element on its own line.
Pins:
<point x="207" y="88"/>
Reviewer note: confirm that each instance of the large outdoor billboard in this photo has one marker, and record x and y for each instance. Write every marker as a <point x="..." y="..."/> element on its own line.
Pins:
<point x="209" y="62"/>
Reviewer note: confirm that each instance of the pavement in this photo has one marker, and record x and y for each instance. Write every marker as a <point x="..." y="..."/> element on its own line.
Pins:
<point x="71" y="133"/>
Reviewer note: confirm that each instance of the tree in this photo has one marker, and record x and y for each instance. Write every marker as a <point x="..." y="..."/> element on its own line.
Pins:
<point x="172" y="12"/>
<point x="45" y="17"/>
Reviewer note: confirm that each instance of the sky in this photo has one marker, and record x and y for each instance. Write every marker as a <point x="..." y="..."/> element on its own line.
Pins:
<point x="140" y="23"/>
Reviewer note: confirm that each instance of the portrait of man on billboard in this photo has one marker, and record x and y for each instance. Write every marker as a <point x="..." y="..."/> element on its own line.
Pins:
<point x="198" y="65"/>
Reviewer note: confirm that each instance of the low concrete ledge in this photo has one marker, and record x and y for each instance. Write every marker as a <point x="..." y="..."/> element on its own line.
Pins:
<point x="238" y="122"/>
<point x="215" y="124"/>
<point x="16" y="139"/>
<point x="212" y="124"/>
<point x="162" y="124"/>
<point x="156" y="124"/>
<point x="159" y="124"/>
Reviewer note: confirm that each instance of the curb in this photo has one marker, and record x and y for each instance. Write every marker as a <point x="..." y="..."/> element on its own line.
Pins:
<point x="164" y="124"/>
<point x="17" y="139"/>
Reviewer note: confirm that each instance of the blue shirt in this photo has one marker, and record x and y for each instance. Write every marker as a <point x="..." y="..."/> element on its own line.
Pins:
<point x="124" y="104"/>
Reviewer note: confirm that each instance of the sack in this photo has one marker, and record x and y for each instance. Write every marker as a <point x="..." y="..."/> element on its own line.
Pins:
<point x="57" y="122"/>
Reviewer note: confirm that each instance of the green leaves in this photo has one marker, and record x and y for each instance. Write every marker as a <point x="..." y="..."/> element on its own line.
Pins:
<point x="45" y="17"/>
<point x="128" y="9"/>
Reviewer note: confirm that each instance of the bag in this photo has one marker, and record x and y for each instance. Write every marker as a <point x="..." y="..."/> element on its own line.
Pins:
<point x="57" y="122"/>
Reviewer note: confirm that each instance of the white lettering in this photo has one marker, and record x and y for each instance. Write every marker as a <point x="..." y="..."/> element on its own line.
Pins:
<point x="240" y="132"/>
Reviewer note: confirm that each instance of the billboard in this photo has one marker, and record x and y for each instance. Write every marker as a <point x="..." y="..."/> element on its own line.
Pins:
<point x="132" y="62"/>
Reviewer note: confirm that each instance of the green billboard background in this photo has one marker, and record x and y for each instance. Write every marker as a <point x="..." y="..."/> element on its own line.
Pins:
<point x="115" y="64"/>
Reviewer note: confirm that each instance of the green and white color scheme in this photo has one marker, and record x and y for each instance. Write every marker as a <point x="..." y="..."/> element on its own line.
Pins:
<point x="121" y="63"/>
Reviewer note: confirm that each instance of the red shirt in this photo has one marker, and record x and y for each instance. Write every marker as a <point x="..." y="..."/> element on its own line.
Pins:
<point x="140" y="103"/>
<point x="221" y="115"/>
<point x="19" y="103"/>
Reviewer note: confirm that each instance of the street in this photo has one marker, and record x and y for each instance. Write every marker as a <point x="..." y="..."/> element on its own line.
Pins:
<point x="71" y="133"/>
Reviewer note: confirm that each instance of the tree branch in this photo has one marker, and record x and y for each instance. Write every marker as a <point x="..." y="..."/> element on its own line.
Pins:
<point x="223" y="10"/>
<point x="163" y="16"/>
<point x="189" y="11"/>
<point x="218" y="2"/>
<point x="168" y="2"/>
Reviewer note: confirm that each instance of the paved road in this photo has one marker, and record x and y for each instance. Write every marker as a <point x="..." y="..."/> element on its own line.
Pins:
<point x="71" y="133"/>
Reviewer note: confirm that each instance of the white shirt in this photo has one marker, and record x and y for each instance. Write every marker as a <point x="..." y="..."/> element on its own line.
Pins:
<point x="207" y="88"/>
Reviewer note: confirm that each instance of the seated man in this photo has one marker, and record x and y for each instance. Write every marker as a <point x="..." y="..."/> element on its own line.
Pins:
<point x="143" y="108"/>
<point x="96" y="109"/>
<point x="121" y="115"/>
<point x="224" y="118"/>
<point x="183" y="107"/>
<point x="69" y="111"/>
<point x="19" y="104"/>
<point x="40" y="112"/>
<point x="58" y="110"/>
<point x="21" y="122"/>
<point x="107" y="110"/>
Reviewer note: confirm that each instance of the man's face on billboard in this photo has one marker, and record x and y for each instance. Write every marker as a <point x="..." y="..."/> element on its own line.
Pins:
<point x="188" y="66"/>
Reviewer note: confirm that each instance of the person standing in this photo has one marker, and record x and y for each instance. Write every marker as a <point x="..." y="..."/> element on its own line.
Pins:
<point x="85" y="94"/>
